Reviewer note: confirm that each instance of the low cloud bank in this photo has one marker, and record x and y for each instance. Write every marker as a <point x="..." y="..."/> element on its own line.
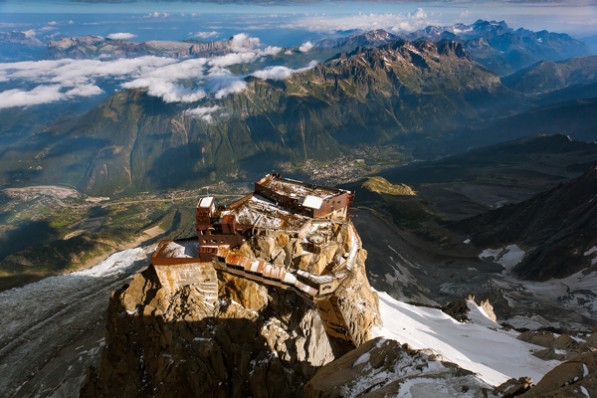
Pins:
<point x="172" y="80"/>
<point x="281" y="72"/>
<point x="121" y="36"/>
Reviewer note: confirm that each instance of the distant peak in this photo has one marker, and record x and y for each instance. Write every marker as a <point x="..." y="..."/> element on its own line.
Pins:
<point x="451" y="47"/>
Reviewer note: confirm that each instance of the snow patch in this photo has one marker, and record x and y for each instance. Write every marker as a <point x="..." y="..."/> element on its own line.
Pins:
<point x="466" y="241"/>
<point x="576" y="292"/>
<point x="508" y="256"/>
<point x="590" y="252"/>
<point x="362" y="359"/>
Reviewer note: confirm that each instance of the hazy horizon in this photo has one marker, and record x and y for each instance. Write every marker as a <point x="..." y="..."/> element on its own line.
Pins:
<point x="579" y="19"/>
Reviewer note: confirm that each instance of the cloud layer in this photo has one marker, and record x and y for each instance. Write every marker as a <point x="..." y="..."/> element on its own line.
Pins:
<point x="172" y="80"/>
<point x="305" y="47"/>
<point x="280" y="72"/>
<point x="121" y="36"/>
<point x="394" y="22"/>
<point x="204" y="35"/>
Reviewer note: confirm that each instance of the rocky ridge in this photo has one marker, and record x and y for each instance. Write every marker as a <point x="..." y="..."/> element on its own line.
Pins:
<point x="547" y="76"/>
<point x="556" y="227"/>
<point x="98" y="46"/>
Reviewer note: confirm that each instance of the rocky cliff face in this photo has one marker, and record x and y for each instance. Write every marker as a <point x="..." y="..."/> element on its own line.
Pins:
<point x="187" y="330"/>
<point x="246" y="342"/>
<point x="574" y="378"/>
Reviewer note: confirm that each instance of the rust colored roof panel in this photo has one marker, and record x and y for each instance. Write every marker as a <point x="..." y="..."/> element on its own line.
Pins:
<point x="223" y="250"/>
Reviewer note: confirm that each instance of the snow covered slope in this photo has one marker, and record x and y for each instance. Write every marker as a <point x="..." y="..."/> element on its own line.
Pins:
<point x="480" y="346"/>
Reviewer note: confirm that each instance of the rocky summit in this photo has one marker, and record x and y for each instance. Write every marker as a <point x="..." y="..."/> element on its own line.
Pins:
<point x="186" y="326"/>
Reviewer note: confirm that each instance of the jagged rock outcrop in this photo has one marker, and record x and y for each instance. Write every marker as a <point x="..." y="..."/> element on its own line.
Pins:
<point x="193" y="329"/>
<point x="248" y="341"/>
<point x="459" y="309"/>
<point x="382" y="368"/>
<point x="356" y="303"/>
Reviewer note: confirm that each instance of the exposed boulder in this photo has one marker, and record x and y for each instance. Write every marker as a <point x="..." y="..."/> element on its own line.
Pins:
<point x="514" y="387"/>
<point x="574" y="378"/>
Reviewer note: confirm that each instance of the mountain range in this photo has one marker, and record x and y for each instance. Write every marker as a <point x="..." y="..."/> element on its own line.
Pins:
<point x="504" y="50"/>
<point x="377" y="89"/>
<point x="546" y="76"/>
<point x="98" y="46"/>
<point x="370" y="96"/>
<point x="495" y="45"/>
<point x="557" y="226"/>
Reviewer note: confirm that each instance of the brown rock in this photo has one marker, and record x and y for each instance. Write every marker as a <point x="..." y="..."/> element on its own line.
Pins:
<point x="358" y="303"/>
<point x="254" y="342"/>
<point x="192" y="328"/>
<point x="548" y="354"/>
<point x="565" y="342"/>
<point x="574" y="378"/>
<point x="514" y="387"/>
<point x="542" y="338"/>
<point x="457" y="310"/>
<point x="591" y="341"/>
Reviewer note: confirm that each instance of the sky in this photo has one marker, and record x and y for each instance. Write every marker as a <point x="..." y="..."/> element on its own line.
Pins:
<point x="578" y="17"/>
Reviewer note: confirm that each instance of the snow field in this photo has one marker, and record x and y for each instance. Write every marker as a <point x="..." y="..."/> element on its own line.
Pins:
<point x="480" y="346"/>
